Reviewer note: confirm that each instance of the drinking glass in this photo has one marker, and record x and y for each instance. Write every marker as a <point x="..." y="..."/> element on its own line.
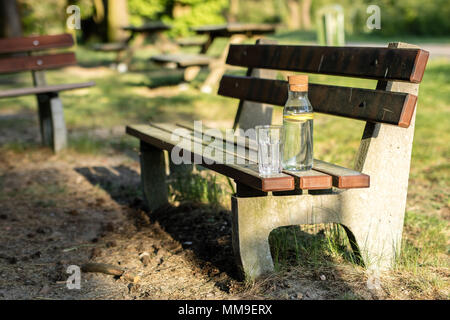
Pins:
<point x="269" y="149"/>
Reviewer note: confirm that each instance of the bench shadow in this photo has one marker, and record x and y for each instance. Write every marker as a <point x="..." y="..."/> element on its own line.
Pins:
<point x="204" y="233"/>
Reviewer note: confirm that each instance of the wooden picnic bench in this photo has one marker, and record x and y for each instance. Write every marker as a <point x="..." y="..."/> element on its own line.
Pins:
<point x="16" y="55"/>
<point x="192" y="63"/>
<point x="367" y="200"/>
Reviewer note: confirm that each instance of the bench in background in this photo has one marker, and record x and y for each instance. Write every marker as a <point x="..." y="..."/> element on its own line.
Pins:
<point x="16" y="55"/>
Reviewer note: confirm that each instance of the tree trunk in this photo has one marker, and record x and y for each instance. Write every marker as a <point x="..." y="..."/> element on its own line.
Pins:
<point x="10" y="23"/>
<point x="294" y="14"/>
<point x="233" y="11"/>
<point x="306" y="14"/>
<point x="117" y="18"/>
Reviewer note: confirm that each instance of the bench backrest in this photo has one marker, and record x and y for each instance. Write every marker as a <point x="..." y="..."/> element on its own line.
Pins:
<point x="378" y="105"/>
<point x="385" y="150"/>
<point x="17" y="54"/>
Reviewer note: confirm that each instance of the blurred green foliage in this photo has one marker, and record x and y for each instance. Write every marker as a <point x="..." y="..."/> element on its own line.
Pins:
<point x="43" y="18"/>
<point x="181" y="14"/>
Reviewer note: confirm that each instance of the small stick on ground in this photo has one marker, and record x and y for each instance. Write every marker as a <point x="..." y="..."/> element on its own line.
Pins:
<point x="109" y="269"/>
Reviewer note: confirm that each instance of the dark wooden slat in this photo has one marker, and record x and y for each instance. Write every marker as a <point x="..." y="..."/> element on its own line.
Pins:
<point x="34" y="63"/>
<point x="361" y="62"/>
<point x="34" y="43"/>
<point x="47" y="89"/>
<point x="362" y="104"/>
<point x="245" y="174"/>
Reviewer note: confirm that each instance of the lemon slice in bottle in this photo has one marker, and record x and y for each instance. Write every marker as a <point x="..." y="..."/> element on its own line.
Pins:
<point x="300" y="117"/>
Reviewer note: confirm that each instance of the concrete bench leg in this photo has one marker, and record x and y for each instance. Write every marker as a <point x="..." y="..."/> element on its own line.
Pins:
<point x="254" y="217"/>
<point x="51" y="119"/>
<point x="153" y="176"/>
<point x="250" y="233"/>
<point x="377" y="248"/>
<point x="374" y="227"/>
<point x="250" y="237"/>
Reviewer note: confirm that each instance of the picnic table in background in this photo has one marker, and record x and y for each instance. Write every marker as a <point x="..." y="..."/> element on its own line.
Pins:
<point x="228" y="30"/>
<point x="192" y="63"/>
<point x="125" y="49"/>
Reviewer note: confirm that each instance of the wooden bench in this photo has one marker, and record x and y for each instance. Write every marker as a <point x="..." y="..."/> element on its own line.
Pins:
<point x="16" y="56"/>
<point x="235" y="32"/>
<point x="368" y="200"/>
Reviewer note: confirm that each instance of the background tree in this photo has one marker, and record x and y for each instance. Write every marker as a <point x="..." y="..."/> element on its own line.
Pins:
<point x="306" y="14"/>
<point x="299" y="14"/>
<point x="10" y="22"/>
<point x="233" y="11"/>
<point x="117" y="18"/>
<point x="294" y="14"/>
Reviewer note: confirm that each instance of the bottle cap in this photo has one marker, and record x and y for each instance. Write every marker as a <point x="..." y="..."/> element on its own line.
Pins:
<point x="298" y="83"/>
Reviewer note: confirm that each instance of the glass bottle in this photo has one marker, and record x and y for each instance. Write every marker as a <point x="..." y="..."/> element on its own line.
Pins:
<point x="298" y="119"/>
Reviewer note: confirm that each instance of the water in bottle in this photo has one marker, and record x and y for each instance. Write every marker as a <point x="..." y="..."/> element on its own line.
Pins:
<point x="298" y="119"/>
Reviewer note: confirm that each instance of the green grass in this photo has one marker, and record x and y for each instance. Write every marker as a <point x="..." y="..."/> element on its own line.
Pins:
<point x="310" y="246"/>
<point x="199" y="186"/>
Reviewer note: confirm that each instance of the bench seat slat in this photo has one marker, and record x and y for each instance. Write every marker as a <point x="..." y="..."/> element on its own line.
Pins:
<point x="311" y="179"/>
<point x="323" y="176"/>
<point x="47" y="89"/>
<point x="243" y="173"/>
<point x="363" y="104"/>
<point x="35" y="43"/>
<point x="361" y="62"/>
<point x="35" y="63"/>
<point x="343" y="178"/>
<point x="305" y="180"/>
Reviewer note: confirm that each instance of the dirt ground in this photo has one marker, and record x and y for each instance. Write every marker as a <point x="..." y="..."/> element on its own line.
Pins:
<point x="70" y="209"/>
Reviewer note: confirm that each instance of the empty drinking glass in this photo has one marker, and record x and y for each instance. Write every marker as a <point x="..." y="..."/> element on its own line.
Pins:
<point x="269" y="139"/>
